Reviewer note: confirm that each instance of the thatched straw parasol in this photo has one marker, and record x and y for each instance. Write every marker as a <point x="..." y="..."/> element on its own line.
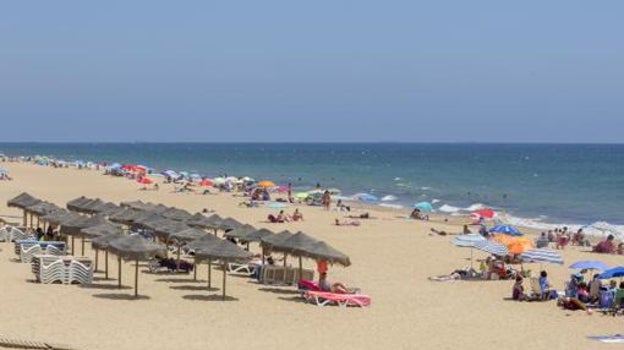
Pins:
<point x="224" y="251"/>
<point x="77" y="203"/>
<point x="297" y="245"/>
<point x="102" y="243"/>
<point x="101" y="230"/>
<point x="23" y="201"/>
<point x="74" y="227"/>
<point x="138" y="249"/>
<point x="176" y="214"/>
<point x="323" y="251"/>
<point x="240" y="232"/>
<point x="203" y="243"/>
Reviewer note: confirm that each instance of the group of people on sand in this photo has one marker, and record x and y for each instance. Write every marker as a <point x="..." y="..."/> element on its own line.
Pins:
<point x="282" y="217"/>
<point x="607" y="246"/>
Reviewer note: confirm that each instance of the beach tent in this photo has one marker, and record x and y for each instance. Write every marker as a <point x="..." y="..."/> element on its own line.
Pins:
<point x="138" y="249"/>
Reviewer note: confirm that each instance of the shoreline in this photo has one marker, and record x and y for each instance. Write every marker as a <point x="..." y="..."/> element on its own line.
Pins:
<point x="391" y="258"/>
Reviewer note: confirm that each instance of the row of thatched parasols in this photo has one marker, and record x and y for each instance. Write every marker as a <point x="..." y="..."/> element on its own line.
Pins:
<point x="106" y="223"/>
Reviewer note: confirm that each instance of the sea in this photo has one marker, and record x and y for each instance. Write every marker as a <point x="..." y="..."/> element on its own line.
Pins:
<point x="534" y="185"/>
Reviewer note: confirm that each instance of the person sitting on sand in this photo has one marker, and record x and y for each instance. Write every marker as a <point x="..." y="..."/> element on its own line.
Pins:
<point x="517" y="293"/>
<point x="361" y="216"/>
<point x="466" y="230"/>
<point x="347" y="223"/>
<point x="341" y="207"/>
<point x="336" y="287"/>
<point x="415" y="214"/>
<point x="297" y="216"/>
<point x="545" y="286"/>
<point x="281" y="217"/>
<point x="607" y="246"/>
<point x="439" y="232"/>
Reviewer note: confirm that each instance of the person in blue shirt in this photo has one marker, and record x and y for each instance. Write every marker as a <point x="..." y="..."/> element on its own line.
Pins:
<point x="545" y="285"/>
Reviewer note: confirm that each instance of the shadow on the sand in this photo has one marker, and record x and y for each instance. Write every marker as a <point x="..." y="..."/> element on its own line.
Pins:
<point x="212" y="297"/>
<point x="179" y="280"/>
<point x="119" y="296"/>
<point x="195" y="288"/>
<point x="280" y="291"/>
<point x="104" y="286"/>
<point x="294" y="299"/>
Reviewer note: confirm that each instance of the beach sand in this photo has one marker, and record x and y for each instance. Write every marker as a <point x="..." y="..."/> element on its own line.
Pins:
<point x="391" y="260"/>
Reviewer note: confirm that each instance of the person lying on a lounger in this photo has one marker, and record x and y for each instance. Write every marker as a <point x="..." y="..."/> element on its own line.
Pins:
<point x="336" y="287"/>
<point x="347" y="223"/>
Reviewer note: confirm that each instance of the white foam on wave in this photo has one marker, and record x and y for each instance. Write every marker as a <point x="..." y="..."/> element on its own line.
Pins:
<point x="599" y="229"/>
<point x="475" y="206"/>
<point x="434" y="201"/>
<point x="392" y="206"/>
<point x="445" y="208"/>
<point x="389" y="198"/>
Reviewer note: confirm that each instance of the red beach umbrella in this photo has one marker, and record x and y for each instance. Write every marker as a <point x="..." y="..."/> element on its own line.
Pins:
<point x="206" y="183"/>
<point x="484" y="213"/>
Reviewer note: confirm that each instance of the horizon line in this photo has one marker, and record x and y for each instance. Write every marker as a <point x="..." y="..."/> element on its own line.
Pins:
<point x="320" y="142"/>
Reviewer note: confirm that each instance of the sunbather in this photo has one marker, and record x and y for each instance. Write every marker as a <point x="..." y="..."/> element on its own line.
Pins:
<point x="347" y="223"/>
<point x="336" y="287"/>
<point x="573" y="304"/>
<point x="517" y="293"/>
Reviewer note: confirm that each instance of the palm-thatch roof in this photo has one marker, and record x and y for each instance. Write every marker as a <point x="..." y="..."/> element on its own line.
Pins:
<point x="22" y="201"/>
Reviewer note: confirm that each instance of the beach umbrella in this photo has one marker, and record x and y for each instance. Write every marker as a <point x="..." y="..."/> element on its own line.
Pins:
<point x="225" y="251"/>
<point x="266" y="184"/>
<point x="506" y="229"/>
<point x="484" y="213"/>
<point x="56" y="217"/>
<point x="203" y="243"/>
<point x="138" y="249"/>
<point x="298" y="245"/>
<point x="229" y="224"/>
<point x="257" y="235"/>
<point x="88" y="207"/>
<point x="166" y="228"/>
<point x="76" y="203"/>
<point x="239" y="232"/>
<point x="468" y="240"/>
<point x="145" y="180"/>
<point x="614" y="272"/>
<point x="176" y="214"/>
<point x="187" y="235"/>
<point x="42" y="208"/>
<point x="74" y="227"/>
<point x="302" y="195"/>
<point x="105" y="207"/>
<point x="101" y="230"/>
<point x="492" y="248"/>
<point x="589" y="265"/>
<point x="323" y="251"/>
<point x="22" y="201"/>
<point x="542" y="255"/>
<point x="125" y="216"/>
<point x="424" y="206"/>
<point x="134" y="204"/>
<point x="102" y="243"/>
<point x="206" y="183"/>
<point x="200" y="220"/>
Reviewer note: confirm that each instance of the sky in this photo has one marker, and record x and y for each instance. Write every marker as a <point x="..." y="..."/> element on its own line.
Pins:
<point x="290" y="71"/>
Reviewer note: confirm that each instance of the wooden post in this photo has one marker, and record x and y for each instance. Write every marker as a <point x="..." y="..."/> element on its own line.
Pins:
<point x="209" y="272"/>
<point x="25" y="218"/>
<point x="72" y="252"/>
<point x="136" y="279"/>
<point x="224" y="274"/>
<point x="96" y="260"/>
<point x="106" y="264"/>
<point x="119" y="272"/>
<point x="82" y="247"/>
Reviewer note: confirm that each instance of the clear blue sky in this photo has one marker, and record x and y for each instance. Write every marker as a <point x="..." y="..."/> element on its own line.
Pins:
<point x="312" y="71"/>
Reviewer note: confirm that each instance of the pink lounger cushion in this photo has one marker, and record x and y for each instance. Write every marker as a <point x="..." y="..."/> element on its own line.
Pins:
<point x="325" y="298"/>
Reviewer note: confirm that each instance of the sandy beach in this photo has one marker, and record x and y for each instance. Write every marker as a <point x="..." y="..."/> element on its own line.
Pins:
<point x="392" y="258"/>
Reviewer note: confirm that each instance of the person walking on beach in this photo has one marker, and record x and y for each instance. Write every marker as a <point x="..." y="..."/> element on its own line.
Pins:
<point x="326" y="200"/>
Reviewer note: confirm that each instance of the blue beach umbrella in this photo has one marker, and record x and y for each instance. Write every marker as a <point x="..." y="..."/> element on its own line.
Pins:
<point x="424" y="206"/>
<point x="506" y="229"/>
<point x="589" y="265"/>
<point x="612" y="273"/>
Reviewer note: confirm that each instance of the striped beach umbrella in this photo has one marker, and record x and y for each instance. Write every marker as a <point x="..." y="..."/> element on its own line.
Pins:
<point x="492" y="248"/>
<point x="542" y="255"/>
<point x="469" y="241"/>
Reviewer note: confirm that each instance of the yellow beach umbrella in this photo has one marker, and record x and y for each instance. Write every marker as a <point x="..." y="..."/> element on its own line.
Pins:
<point x="266" y="183"/>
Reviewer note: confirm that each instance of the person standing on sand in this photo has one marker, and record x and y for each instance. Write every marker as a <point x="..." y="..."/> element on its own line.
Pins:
<point x="326" y="200"/>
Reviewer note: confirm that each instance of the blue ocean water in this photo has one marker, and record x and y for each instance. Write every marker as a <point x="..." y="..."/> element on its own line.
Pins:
<point x="557" y="183"/>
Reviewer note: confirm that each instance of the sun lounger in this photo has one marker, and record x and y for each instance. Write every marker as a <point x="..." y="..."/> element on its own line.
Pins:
<point x="238" y="268"/>
<point x="272" y="274"/>
<point x="28" y="249"/>
<point x="62" y="269"/>
<point x="327" y="298"/>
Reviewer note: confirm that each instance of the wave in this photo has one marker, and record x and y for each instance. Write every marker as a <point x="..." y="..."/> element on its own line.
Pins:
<point x="389" y="198"/>
<point x="392" y="206"/>
<point x="445" y="208"/>
<point x="598" y="229"/>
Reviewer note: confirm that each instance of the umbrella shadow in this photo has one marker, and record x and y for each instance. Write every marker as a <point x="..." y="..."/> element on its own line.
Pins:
<point x="120" y="296"/>
<point x="103" y="279"/>
<point x="179" y="280"/>
<point x="195" y="288"/>
<point x="280" y="291"/>
<point x="294" y="299"/>
<point x="212" y="297"/>
<point x="15" y="260"/>
<point x="103" y="286"/>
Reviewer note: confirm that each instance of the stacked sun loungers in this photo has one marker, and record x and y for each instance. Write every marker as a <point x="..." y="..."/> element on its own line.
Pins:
<point x="12" y="233"/>
<point x="62" y="269"/>
<point x="272" y="274"/>
<point x="27" y="249"/>
<point x="327" y="298"/>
